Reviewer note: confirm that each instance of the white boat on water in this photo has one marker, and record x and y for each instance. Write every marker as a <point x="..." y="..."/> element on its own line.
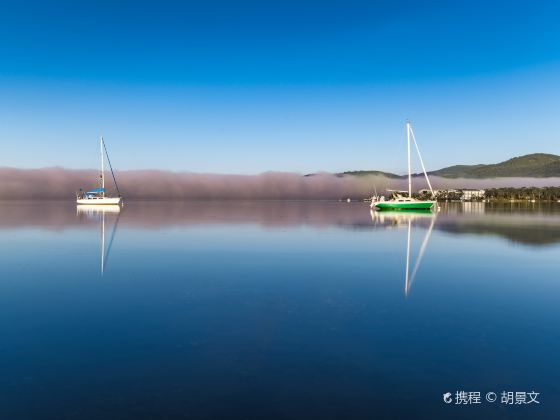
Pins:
<point x="403" y="200"/>
<point x="98" y="196"/>
<point x="92" y="198"/>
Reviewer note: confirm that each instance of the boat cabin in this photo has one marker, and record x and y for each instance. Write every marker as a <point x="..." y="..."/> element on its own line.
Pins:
<point x="94" y="194"/>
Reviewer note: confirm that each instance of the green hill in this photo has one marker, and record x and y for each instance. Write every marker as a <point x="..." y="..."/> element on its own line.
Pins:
<point x="366" y="173"/>
<point x="536" y="165"/>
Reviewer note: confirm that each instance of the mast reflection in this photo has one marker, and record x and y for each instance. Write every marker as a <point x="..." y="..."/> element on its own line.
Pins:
<point x="397" y="219"/>
<point x="98" y="213"/>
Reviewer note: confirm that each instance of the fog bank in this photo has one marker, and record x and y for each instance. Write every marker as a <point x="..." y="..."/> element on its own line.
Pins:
<point x="59" y="183"/>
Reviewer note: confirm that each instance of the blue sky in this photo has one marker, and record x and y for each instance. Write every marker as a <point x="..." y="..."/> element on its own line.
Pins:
<point x="246" y="87"/>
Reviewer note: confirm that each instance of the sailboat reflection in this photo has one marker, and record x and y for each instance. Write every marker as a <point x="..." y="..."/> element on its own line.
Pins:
<point x="395" y="219"/>
<point x="93" y="212"/>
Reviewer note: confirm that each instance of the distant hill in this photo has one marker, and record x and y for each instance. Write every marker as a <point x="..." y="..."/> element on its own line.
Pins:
<point x="364" y="173"/>
<point x="536" y="165"/>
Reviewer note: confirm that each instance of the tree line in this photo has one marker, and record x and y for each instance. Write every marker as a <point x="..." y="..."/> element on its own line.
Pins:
<point x="498" y="194"/>
<point x="523" y="193"/>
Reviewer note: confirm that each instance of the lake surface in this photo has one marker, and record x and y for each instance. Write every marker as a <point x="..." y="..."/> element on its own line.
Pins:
<point x="277" y="310"/>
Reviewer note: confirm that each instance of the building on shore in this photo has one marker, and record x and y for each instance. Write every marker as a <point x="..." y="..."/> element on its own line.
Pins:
<point x="472" y="194"/>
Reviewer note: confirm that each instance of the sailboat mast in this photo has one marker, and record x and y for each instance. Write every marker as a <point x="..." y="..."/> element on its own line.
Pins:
<point x="102" y="166"/>
<point x="409" y="166"/>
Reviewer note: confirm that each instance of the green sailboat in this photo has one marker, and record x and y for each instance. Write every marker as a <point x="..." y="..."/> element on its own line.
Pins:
<point x="404" y="203"/>
<point x="403" y="200"/>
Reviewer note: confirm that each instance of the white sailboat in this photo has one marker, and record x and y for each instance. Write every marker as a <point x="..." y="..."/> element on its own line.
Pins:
<point x="403" y="200"/>
<point x="98" y="196"/>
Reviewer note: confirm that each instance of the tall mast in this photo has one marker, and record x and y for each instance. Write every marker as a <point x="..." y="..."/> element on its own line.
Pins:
<point x="409" y="167"/>
<point x="102" y="166"/>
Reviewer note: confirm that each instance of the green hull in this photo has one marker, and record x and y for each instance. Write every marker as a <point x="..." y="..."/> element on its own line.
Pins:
<point x="418" y="205"/>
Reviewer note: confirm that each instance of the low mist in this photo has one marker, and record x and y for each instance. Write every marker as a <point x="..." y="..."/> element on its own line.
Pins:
<point x="59" y="183"/>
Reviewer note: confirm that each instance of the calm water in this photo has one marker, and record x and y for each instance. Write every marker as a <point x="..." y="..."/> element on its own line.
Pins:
<point x="276" y="310"/>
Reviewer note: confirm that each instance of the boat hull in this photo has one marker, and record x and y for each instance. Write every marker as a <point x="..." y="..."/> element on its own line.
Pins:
<point x="415" y="205"/>
<point x="102" y="201"/>
<point x="88" y="209"/>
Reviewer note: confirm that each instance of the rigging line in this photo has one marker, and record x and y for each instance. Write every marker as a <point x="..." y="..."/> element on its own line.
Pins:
<point x="421" y="161"/>
<point x="112" y="239"/>
<point x="111" y="167"/>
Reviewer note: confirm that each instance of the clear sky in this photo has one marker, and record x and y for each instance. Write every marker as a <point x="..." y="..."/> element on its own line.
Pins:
<point x="246" y="87"/>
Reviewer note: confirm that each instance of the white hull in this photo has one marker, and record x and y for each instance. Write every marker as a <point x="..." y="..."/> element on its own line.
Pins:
<point x="100" y="201"/>
<point x="89" y="209"/>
